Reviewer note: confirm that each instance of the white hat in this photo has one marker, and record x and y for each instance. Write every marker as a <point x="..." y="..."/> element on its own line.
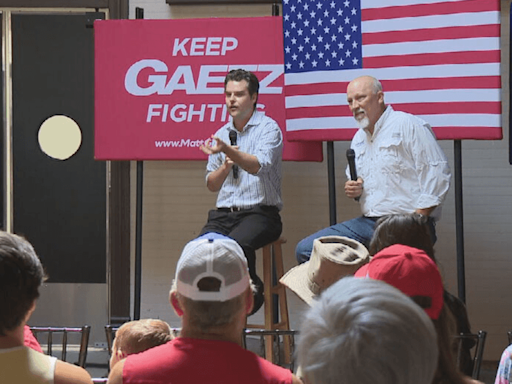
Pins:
<point x="332" y="258"/>
<point x="217" y="256"/>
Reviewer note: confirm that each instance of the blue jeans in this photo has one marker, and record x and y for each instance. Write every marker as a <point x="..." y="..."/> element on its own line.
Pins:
<point x="360" y="229"/>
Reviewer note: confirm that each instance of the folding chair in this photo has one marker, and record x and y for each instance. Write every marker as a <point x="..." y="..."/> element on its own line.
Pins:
<point x="283" y="356"/>
<point x="110" y="333"/>
<point x="62" y="333"/>
<point x="478" y="340"/>
<point x="509" y="333"/>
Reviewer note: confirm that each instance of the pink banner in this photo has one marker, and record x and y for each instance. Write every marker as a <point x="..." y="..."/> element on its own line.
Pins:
<point x="159" y="84"/>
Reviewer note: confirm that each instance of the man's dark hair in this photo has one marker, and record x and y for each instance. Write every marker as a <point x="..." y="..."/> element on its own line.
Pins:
<point x="253" y="84"/>
<point x="21" y="275"/>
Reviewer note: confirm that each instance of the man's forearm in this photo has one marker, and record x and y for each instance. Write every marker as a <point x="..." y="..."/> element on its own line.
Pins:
<point x="217" y="177"/>
<point x="425" y="211"/>
<point x="244" y="160"/>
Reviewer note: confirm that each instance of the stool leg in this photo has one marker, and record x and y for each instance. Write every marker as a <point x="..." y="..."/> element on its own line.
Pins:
<point x="267" y="290"/>
<point x="275" y="291"/>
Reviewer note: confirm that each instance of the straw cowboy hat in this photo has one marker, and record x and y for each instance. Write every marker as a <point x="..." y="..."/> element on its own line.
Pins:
<point x="332" y="258"/>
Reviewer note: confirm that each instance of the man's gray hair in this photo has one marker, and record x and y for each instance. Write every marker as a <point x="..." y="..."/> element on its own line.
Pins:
<point x="376" y="85"/>
<point x="365" y="331"/>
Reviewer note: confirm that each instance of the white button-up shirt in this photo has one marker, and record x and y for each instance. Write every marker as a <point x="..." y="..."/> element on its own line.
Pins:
<point x="402" y="166"/>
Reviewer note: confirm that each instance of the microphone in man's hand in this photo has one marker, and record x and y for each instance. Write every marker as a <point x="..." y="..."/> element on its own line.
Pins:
<point x="351" y="158"/>
<point x="232" y="139"/>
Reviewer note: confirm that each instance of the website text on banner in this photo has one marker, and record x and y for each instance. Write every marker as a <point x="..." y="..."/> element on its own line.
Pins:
<point x="439" y="60"/>
<point x="160" y="84"/>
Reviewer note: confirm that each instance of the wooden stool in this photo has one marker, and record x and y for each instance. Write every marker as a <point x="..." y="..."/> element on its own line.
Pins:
<point x="276" y="316"/>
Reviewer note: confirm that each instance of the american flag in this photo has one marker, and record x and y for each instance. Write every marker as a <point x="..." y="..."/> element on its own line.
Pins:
<point x="439" y="60"/>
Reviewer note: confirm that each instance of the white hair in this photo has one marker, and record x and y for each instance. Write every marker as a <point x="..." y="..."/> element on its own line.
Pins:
<point x="365" y="331"/>
<point x="376" y="85"/>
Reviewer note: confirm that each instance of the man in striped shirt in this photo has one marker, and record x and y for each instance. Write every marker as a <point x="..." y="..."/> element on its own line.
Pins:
<point x="247" y="174"/>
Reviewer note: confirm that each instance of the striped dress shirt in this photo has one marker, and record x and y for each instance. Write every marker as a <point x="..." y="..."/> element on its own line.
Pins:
<point x="262" y="138"/>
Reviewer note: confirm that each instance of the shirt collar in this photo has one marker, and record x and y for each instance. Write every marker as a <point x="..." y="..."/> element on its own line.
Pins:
<point x="381" y="121"/>
<point x="254" y="120"/>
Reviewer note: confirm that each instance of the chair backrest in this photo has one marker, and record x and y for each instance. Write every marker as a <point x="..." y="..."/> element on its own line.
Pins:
<point x="62" y="334"/>
<point x="279" y="338"/>
<point x="471" y="344"/>
<point x="509" y="334"/>
<point x="110" y="333"/>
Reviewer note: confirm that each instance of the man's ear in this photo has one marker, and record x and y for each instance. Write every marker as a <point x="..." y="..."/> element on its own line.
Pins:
<point x="175" y="303"/>
<point x="119" y="353"/>
<point x="249" y="301"/>
<point x="381" y="97"/>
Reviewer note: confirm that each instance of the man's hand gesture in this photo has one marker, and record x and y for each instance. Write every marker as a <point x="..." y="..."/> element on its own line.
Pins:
<point x="210" y="149"/>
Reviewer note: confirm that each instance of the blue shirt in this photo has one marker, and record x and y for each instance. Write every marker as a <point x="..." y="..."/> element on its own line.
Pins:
<point x="261" y="137"/>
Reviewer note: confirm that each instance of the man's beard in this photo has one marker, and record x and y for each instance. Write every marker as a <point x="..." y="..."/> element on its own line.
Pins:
<point x="363" y="123"/>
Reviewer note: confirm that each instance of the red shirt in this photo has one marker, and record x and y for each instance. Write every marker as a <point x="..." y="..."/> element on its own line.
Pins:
<point x="189" y="361"/>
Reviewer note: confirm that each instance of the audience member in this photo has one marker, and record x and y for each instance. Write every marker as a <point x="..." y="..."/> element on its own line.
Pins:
<point x="333" y="257"/>
<point x="504" y="373"/>
<point x="413" y="272"/>
<point x="137" y="336"/>
<point x="365" y="331"/>
<point x="401" y="167"/>
<point x="413" y="230"/>
<point x="407" y="229"/>
<point x="213" y="295"/>
<point x="21" y="275"/>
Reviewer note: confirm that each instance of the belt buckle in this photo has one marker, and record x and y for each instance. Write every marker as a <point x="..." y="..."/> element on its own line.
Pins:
<point x="234" y="209"/>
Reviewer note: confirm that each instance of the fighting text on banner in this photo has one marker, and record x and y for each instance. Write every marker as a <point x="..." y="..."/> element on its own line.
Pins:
<point x="439" y="60"/>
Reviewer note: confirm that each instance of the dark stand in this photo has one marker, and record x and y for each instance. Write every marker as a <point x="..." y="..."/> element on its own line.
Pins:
<point x="139" y="14"/>
<point x="459" y="221"/>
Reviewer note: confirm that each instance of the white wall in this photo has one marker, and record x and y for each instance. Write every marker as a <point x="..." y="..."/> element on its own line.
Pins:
<point x="176" y="202"/>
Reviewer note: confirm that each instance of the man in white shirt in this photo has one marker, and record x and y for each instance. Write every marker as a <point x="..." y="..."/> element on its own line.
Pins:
<point x="400" y="165"/>
<point x="247" y="175"/>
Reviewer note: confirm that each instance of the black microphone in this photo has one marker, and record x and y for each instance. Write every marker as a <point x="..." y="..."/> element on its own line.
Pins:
<point x="232" y="138"/>
<point x="351" y="158"/>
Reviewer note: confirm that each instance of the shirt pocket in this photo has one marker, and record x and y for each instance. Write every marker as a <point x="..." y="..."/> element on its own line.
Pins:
<point x="391" y="155"/>
<point x="361" y="164"/>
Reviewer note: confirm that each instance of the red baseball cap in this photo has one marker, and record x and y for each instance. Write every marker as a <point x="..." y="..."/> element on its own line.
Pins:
<point x="411" y="271"/>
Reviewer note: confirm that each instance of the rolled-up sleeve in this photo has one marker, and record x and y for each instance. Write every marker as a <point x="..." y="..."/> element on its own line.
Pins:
<point x="215" y="160"/>
<point x="432" y="166"/>
<point x="270" y="148"/>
